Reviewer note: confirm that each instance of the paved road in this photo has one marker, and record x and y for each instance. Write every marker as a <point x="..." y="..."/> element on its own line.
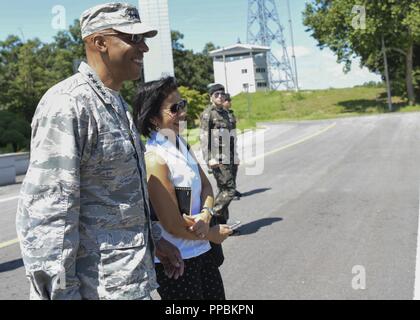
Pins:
<point x="12" y="275"/>
<point x="333" y="195"/>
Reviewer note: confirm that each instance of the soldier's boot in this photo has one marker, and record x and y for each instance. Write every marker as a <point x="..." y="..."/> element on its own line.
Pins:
<point x="234" y="169"/>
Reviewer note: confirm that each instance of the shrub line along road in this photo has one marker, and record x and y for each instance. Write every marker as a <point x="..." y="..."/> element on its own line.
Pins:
<point x="333" y="194"/>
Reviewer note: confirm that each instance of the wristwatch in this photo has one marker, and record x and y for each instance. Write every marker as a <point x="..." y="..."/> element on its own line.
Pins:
<point x="210" y="210"/>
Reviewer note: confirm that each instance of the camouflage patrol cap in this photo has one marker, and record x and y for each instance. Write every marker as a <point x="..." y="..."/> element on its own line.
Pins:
<point x="216" y="87"/>
<point x="122" y="17"/>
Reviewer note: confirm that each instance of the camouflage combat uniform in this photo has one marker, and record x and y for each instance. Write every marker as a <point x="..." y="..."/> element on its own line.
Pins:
<point x="216" y="128"/>
<point x="83" y="219"/>
<point x="234" y="157"/>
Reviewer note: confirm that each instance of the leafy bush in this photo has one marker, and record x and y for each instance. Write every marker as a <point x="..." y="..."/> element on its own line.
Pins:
<point x="15" y="132"/>
<point x="15" y="138"/>
<point x="197" y="102"/>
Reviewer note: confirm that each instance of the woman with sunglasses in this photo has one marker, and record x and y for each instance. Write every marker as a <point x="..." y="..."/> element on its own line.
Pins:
<point x="160" y="114"/>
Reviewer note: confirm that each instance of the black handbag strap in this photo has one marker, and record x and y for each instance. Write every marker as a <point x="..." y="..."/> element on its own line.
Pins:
<point x="178" y="138"/>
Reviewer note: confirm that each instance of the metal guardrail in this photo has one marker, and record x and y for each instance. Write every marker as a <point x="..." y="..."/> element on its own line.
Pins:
<point x="11" y="165"/>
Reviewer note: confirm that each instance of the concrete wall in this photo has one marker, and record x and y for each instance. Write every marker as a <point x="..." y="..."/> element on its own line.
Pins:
<point x="260" y="61"/>
<point x="12" y="164"/>
<point x="158" y="62"/>
<point x="235" y="78"/>
<point x="21" y="163"/>
<point x="7" y="169"/>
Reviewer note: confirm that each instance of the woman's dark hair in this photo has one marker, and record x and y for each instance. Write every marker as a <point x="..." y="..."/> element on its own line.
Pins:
<point x="148" y="101"/>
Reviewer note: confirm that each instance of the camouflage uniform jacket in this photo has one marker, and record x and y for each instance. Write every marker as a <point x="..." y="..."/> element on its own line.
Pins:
<point x="83" y="219"/>
<point x="233" y="138"/>
<point x="216" y="129"/>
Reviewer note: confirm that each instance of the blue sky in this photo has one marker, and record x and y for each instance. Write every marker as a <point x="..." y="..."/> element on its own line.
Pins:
<point x="219" y="21"/>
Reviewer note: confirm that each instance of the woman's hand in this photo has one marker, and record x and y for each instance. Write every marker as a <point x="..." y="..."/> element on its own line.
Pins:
<point x="198" y="224"/>
<point x="219" y="233"/>
<point x="170" y="257"/>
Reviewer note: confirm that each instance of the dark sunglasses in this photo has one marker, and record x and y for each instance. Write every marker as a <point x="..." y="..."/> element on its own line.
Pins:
<point x="219" y="94"/>
<point x="175" y="108"/>
<point x="134" y="39"/>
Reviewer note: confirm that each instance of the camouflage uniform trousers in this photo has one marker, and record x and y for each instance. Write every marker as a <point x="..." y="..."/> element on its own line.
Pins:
<point x="235" y="172"/>
<point x="227" y="186"/>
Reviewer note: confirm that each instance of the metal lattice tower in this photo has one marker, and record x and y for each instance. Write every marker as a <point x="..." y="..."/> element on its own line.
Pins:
<point x="264" y="29"/>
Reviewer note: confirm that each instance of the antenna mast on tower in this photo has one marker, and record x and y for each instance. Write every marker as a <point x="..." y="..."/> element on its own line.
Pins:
<point x="264" y="29"/>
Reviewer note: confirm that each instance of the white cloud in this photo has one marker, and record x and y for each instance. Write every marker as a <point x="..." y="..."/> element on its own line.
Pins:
<point x="300" y="51"/>
<point x="320" y="70"/>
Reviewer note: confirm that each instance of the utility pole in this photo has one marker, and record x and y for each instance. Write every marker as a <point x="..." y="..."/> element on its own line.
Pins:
<point x="293" y="47"/>
<point x="248" y="99"/>
<point x="388" y="85"/>
<point x="224" y="66"/>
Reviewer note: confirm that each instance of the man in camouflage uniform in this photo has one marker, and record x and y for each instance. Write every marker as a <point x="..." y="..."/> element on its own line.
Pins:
<point x="234" y="157"/>
<point x="83" y="217"/>
<point x="216" y="128"/>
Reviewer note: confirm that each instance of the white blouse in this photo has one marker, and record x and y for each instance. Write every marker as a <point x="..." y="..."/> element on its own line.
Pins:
<point x="183" y="172"/>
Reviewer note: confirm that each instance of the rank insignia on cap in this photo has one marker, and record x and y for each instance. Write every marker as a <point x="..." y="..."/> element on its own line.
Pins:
<point x="132" y="13"/>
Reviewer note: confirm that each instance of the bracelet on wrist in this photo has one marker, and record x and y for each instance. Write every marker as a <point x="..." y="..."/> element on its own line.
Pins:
<point x="210" y="210"/>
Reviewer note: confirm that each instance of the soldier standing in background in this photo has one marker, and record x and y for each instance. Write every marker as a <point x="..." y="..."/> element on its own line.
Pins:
<point x="215" y="129"/>
<point x="83" y="217"/>
<point x="234" y="158"/>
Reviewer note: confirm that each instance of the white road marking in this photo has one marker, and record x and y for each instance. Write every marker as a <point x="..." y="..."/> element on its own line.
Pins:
<point x="14" y="241"/>
<point x="9" y="199"/>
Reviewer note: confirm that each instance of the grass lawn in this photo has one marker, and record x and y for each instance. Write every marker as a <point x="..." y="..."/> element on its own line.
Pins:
<point x="192" y="136"/>
<point x="312" y="105"/>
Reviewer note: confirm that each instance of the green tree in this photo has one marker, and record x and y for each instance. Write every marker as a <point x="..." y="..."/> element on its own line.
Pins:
<point x="176" y="37"/>
<point x="25" y="78"/>
<point x="9" y="50"/>
<point x="332" y="25"/>
<point x="14" y="131"/>
<point x="15" y="138"/>
<point x="192" y="70"/>
<point x="209" y="46"/>
<point x="68" y="50"/>
<point x="28" y="69"/>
